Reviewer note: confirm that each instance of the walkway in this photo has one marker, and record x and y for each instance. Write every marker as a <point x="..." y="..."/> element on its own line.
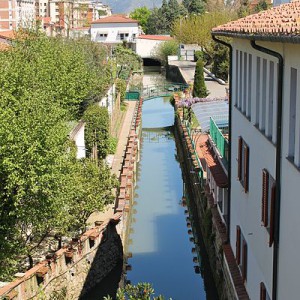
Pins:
<point x="187" y="70"/>
<point x="117" y="161"/>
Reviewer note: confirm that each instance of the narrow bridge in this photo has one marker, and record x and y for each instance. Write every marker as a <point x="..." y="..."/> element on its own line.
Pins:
<point x="153" y="91"/>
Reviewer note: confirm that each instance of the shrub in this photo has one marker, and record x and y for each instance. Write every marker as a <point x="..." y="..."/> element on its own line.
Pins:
<point x="199" y="89"/>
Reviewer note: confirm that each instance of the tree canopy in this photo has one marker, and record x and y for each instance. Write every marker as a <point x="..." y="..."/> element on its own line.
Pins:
<point x="142" y="15"/>
<point x="45" y="83"/>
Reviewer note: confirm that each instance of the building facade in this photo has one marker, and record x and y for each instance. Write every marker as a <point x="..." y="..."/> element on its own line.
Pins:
<point x="114" y="30"/>
<point x="265" y="150"/>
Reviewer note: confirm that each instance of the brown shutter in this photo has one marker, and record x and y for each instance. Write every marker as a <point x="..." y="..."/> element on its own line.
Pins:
<point x="244" y="262"/>
<point x="246" y="168"/>
<point x="264" y="200"/>
<point x="272" y="215"/>
<point x="263" y="291"/>
<point x="240" y="149"/>
<point x="238" y="245"/>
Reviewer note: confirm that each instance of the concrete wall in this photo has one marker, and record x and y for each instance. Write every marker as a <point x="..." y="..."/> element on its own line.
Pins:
<point x="145" y="47"/>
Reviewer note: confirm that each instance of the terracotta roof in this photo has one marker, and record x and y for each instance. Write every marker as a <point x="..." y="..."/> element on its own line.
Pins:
<point x="115" y="19"/>
<point x="213" y="163"/>
<point x="279" y="21"/>
<point x="8" y="34"/>
<point x="155" y="37"/>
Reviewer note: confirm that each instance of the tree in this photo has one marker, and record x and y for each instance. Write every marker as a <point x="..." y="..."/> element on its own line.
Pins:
<point x="44" y="82"/>
<point x="141" y="14"/>
<point x="261" y="5"/>
<point x="163" y="50"/>
<point x="96" y="131"/>
<point x="126" y="61"/>
<point x="199" y="89"/>
<point x="141" y="291"/>
<point x="194" y="6"/>
<point x="220" y="66"/>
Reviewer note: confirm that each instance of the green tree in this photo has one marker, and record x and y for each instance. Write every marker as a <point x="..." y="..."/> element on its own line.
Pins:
<point x="44" y="82"/>
<point x="261" y="5"/>
<point x="199" y="89"/>
<point x="194" y="6"/>
<point x="157" y="22"/>
<point x="220" y="66"/>
<point x="141" y="14"/>
<point x="126" y="61"/>
<point x="96" y="131"/>
<point x="163" y="50"/>
<point x="141" y="291"/>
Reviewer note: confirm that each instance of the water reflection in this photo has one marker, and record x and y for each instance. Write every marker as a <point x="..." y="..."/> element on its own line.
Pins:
<point x="162" y="251"/>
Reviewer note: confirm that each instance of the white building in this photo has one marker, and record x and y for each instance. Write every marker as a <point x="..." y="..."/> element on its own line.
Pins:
<point x="77" y="135"/>
<point x="146" y="44"/>
<point x="265" y="150"/>
<point x="114" y="30"/>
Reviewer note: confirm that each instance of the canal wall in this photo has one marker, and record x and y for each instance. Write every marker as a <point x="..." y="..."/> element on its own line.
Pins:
<point x="214" y="235"/>
<point x="72" y="271"/>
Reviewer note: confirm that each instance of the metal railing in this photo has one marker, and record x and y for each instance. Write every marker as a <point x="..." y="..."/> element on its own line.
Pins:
<point x="220" y="141"/>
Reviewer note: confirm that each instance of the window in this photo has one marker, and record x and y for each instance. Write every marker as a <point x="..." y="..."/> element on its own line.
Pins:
<point x="243" y="163"/>
<point x="248" y="111"/>
<point x="262" y="120"/>
<point x="258" y="86"/>
<point x="123" y="36"/>
<point x="292" y="119"/>
<point x="241" y="253"/>
<point x="268" y="203"/>
<point x="103" y="35"/>
<point x="263" y="292"/>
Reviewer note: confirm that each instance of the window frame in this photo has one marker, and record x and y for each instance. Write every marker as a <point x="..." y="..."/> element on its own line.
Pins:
<point x="243" y="163"/>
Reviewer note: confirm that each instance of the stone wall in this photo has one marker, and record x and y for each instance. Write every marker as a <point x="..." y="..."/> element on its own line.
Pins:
<point x="222" y="262"/>
<point x="72" y="270"/>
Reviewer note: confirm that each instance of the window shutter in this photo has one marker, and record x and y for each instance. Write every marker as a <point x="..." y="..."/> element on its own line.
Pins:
<point x="272" y="215"/>
<point x="240" y="150"/>
<point x="263" y="291"/>
<point x="244" y="262"/>
<point x="238" y="245"/>
<point x="264" y="201"/>
<point x="246" y="168"/>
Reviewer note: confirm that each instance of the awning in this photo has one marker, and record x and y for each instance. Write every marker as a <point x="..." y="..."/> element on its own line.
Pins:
<point x="217" y="110"/>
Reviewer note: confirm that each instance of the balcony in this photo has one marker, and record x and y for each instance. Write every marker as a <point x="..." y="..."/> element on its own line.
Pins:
<point x="218" y="131"/>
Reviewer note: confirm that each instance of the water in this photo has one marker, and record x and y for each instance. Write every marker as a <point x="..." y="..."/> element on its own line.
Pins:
<point x="159" y="240"/>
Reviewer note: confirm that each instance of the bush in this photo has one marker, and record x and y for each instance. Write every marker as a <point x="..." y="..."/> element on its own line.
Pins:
<point x="97" y="130"/>
<point x="220" y="65"/>
<point x="199" y="89"/>
<point x="112" y="145"/>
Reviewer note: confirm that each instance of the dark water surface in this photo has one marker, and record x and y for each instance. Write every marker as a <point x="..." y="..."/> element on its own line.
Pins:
<point x="159" y="239"/>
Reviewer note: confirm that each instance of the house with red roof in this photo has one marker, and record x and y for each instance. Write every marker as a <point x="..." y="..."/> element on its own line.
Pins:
<point x="264" y="149"/>
<point x="114" y="30"/>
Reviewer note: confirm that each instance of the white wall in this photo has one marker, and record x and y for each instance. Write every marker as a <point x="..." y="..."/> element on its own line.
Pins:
<point x="145" y="47"/>
<point x="112" y="30"/>
<point x="246" y="207"/>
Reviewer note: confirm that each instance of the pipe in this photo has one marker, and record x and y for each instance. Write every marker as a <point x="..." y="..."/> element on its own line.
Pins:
<point x="230" y="135"/>
<point x="278" y="162"/>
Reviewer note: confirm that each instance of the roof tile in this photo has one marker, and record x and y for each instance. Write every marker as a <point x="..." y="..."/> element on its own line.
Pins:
<point x="280" y="20"/>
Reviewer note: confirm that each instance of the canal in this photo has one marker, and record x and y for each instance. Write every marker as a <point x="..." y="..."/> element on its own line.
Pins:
<point x="161" y="247"/>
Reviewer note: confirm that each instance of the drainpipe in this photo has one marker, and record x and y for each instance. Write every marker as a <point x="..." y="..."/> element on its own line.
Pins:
<point x="230" y="135"/>
<point x="278" y="162"/>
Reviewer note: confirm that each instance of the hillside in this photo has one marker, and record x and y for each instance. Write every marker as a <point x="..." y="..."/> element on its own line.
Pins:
<point x="126" y="6"/>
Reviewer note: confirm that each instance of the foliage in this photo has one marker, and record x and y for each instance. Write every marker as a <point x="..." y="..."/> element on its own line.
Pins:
<point x="141" y="14"/>
<point x="141" y="291"/>
<point x="194" y="6"/>
<point x="96" y="130"/>
<point x="220" y="65"/>
<point x="113" y="142"/>
<point x="44" y="83"/>
<point x="126" y="61"/>
<point x="163" y="50"/>
<point x="161" y="19"/>
<point x="244" y="9"/>
<point x="184" y="29"/>
<point x="121" y="88"/>
<point x="199" y="89"/>
<point x="261" y="5"/>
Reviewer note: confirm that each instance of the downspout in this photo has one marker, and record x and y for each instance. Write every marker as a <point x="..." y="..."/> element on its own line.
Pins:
<point x="278" y="162"/>
<point x="230" y="135"/>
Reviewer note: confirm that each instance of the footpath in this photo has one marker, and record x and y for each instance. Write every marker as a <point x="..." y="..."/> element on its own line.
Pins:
<point x="117" y="160"/>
